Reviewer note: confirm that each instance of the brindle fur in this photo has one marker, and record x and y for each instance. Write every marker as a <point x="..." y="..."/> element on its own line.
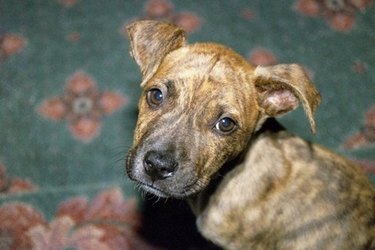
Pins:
<point x="258" y="187"/>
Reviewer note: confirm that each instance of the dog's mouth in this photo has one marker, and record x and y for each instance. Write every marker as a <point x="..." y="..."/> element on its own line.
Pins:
<point x="162" y="193"/>
<point x="153" y="190"/>
<point x="169" y="190"/>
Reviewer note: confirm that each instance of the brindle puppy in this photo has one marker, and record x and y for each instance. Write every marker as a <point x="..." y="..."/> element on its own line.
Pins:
<point x="205" y="132"/>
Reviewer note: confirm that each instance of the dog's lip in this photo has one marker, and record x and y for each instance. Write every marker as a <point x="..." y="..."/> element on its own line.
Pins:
<point x="187" y="190"/>
<point x="153" y="190"/>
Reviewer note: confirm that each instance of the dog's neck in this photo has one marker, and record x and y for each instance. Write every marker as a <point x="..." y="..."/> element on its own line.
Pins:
<point x="199" y="201"/>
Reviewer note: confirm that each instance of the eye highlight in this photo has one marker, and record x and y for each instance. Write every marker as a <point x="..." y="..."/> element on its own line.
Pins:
<point x="225" y="125"/>
<point x="155" y="97"/>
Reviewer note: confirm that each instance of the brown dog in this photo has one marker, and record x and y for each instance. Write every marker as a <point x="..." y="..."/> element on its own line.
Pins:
<point x="205" y="132"/>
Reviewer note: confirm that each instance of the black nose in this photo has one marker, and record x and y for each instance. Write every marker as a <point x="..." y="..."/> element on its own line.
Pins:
<point x="159" y="165"/>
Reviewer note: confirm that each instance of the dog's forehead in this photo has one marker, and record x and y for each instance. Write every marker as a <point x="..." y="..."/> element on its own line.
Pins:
<point x="206" y="65"/>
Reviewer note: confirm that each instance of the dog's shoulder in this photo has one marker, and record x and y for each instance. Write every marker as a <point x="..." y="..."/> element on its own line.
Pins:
<point x="280" y="150"/>
<point x="283" y="174"/>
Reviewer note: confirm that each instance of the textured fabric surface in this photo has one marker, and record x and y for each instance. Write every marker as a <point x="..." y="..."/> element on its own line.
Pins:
<point x="68" y="105"/>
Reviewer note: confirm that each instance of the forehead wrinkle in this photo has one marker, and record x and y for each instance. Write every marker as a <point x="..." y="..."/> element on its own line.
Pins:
<point x="210" y="100"/>
<point x="211" y="64"/>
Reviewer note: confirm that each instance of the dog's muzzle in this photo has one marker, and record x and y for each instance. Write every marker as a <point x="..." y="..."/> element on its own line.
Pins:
<point x="163" y="173"/>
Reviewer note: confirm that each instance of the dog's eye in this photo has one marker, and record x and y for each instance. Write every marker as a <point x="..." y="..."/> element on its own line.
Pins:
<point x="225" y="125"/>
<point x="155" y="97"/>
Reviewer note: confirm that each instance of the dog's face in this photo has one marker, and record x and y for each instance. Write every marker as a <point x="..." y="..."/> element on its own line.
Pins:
<point x="200" y="105"/>
<point x="194" y="115"/>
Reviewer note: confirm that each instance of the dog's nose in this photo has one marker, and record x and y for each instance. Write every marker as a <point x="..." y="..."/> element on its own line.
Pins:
<point x="159" y="165"/>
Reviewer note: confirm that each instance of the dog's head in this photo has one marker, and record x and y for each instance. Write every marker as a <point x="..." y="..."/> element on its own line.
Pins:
<point x="200" y="105"/>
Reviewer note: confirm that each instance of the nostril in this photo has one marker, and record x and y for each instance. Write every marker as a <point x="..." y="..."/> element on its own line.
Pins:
<point x="159" y="165"/>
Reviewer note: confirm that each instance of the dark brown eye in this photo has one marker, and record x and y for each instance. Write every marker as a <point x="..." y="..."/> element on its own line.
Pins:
<point x="155" y="97"/>
<point x="225" y="125"/>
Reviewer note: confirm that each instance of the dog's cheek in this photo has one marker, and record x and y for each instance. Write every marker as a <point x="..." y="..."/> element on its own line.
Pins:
<point x="221" y="150"/>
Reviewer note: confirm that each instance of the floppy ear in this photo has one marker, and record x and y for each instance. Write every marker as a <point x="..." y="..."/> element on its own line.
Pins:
<point x="280" y="88"/>
<point x="150" y="42"/>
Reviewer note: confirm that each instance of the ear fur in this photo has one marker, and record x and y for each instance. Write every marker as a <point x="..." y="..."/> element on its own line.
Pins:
<point x="280" y="88"/>
<point x="150" y="42"/>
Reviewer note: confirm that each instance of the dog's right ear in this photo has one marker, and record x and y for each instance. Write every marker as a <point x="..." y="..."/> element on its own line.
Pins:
<point x="150" y="42"/>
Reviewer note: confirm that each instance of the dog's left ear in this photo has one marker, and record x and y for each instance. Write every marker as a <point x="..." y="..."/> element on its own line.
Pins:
<point x="280" y="88"/>
<point x="150" y="42"/>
